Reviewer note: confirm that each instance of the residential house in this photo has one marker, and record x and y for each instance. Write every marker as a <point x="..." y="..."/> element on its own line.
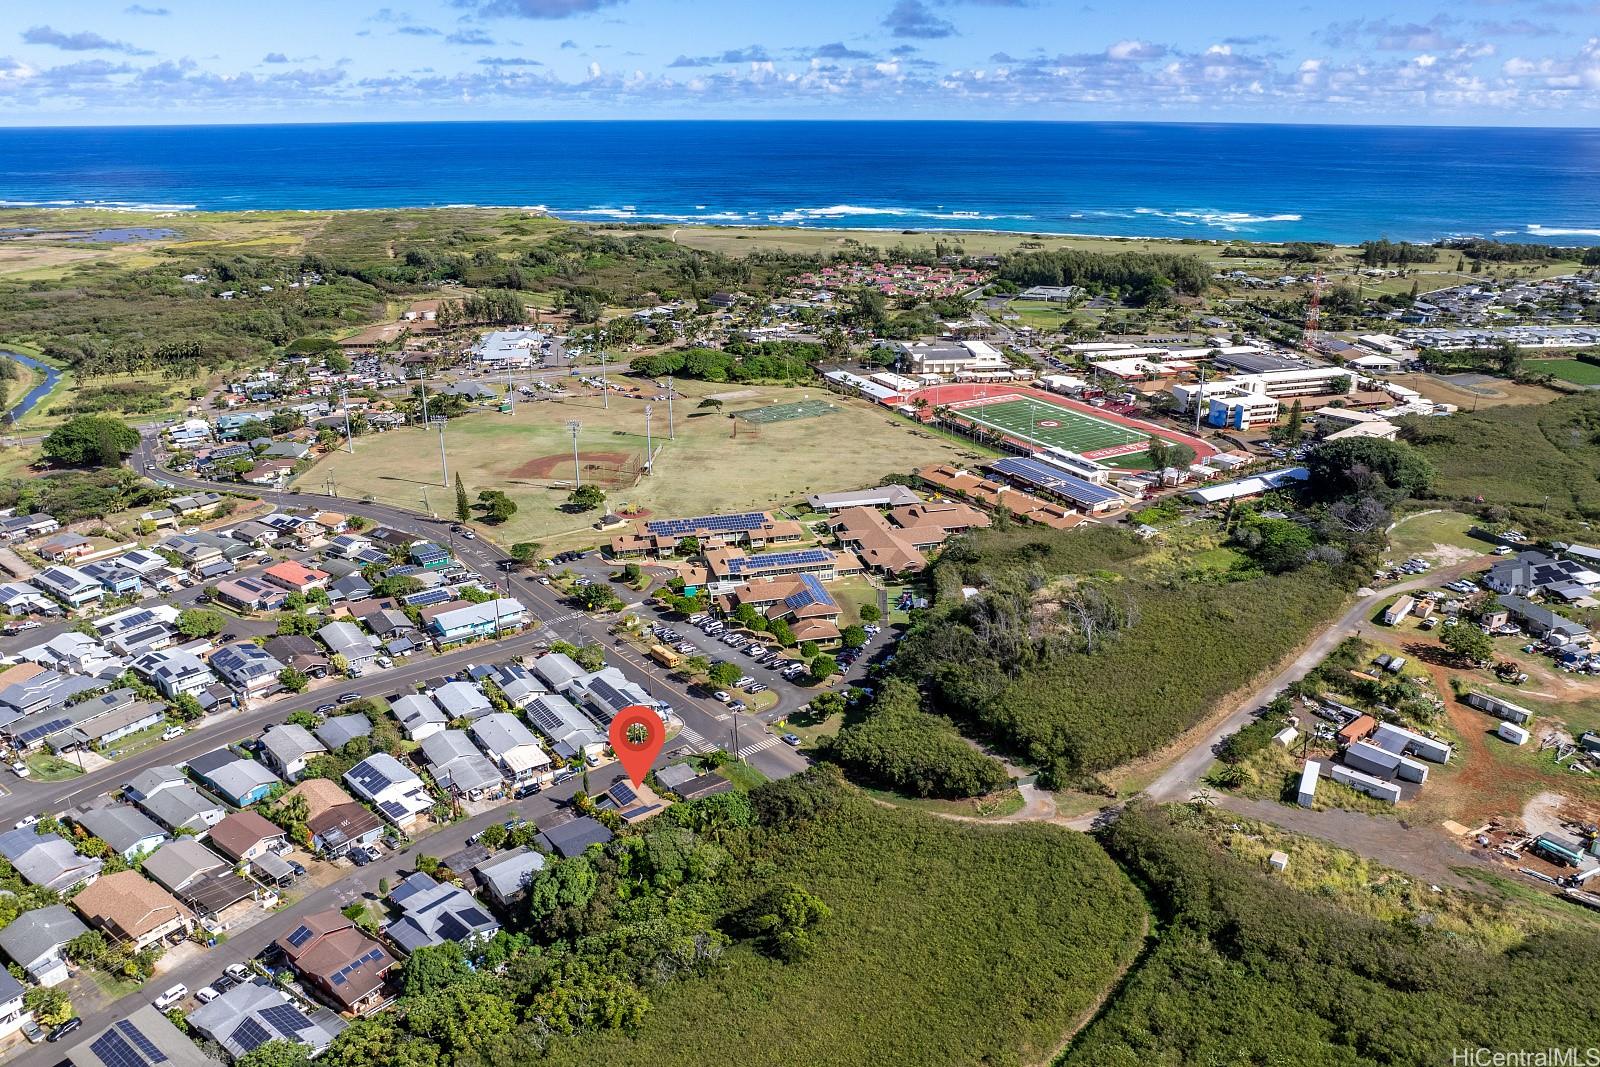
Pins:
<point x="419" y="716"/>
<point x="239" y="781"/>
<point x="13" y="1010"/>
<point x="1544" y="622"/>
<point x="174" y="672"/>
<point x="1529" y="573"/>
<point x="286" y="747"/>
<point x="47" y="860"/>
<point x="296" y="577"/>
<point x="19" y="598"/>
<point x="432" y="913"/>
<point x="572" y="734"/>
<point x="64" y="547"/>
<point x="349" y="589"/>
<point x="346" y="639"/>
<point x="607" y="691"/>
<point x="337" y="822"/>
<point x="131" y="910"/>
<point x="339" y="730"/>
<point x="74" y="653"/>
<point x="247" y="668"/>
<point x="513" y="747"/>
<point x="348" y="546"/>
<point x="251" y="594"/>
<point x="125" y="828"/>
<point x="498" y="616"/>
<point x="462" y="700"/>
<point x="198" y="877"/>
<point x="146" y="1038"/>
<point x="340" y="961"/>
<point x="68" y="585"/>
<point x="386" y="783"/>
<point x="165" y="793"/>
<point x="571" y="838"/>
<point x="505" y="876"/>
<point x="300" y="652"/>
<point x="246" y="836"/>
<point x="36" y="940"/>
<point x="248" y="1016"/>
<point x="458" y="767"/>
<point x="22" y="527"/>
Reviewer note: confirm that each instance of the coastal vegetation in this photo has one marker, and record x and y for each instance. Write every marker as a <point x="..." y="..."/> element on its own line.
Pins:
<point x="1074" y="657"/>
<point x="1244" y="968"/>
<point x="800" y="923"/>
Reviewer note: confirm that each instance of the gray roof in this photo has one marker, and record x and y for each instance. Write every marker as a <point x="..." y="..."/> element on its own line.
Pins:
<point x="288" y="742"/>
<point x="243" y="662"/>
<point x="121" y="826"/>
<point x="462" y="700"/>
<point x="456" y="762"/>
<point x="558" y="670"/>
<point x="183" y="807"/>
<point x="118" y="1045"/>
<point x="433" y="913"/>
<point x="180" y="861"/>
<point x="346" y="639"/>
<point x="571" y="838"/>
<point x="34" y="934"/>
<point x="340" y="730"/>
<point x="153" y="780"/>
<point x="248" y="1015"/>
<point x="508" y="873"/>
<point x="234" y="775"/>
<point x="46" y="859"/>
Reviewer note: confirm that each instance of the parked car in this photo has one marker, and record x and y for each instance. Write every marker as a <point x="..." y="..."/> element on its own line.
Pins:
<point x="722" y="696"/>
<point x="359" y="857"/>
<point x="205" y="994"/>
<point x="171" y="998"/>
<point x="349" y="698"/>
<point x="171" y="733"/>
<point x="31" y="1031"/>
<point x="64" y="1029"/>
<point x="238" y="972"/>
<point x="791" y="740"/>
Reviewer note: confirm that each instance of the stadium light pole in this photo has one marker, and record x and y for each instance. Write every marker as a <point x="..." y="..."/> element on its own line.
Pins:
<point x="670" y="435"/>
<point x="444" y="460"/>
<point x="349" y="438"/>
<point x="605" y="390"/>
<point x="649" y="454"/>
<point x="1199" y="398"/>
<point x="575" y="426"/>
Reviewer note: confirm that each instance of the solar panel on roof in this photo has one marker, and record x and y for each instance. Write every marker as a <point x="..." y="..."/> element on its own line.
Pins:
<point x="142" y="1043"/>
<point x="624" y="793"/>
<point x="286" y="1020"/>
<point x="115" y="1052"/>
<point x="767" y="560"/>
<point x="250" y="1035"/>
<point x="427" y="597"/>
<point x="301" y="935"/>
<point x="42" y="730"/>
<point x="748" y="520"/>
<point x="1045" y="477"/>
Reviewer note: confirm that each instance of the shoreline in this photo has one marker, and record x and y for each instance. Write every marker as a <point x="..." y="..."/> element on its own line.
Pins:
<point x="1550" y="237"/>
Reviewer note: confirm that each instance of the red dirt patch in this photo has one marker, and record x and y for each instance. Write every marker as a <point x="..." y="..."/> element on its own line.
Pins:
<point x="614" y="468"/>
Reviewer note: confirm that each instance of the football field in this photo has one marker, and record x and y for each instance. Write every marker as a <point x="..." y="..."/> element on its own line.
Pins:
<point x="1042" y="423"/>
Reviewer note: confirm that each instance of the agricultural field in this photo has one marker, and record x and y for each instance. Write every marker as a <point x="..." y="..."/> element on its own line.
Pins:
<point x="950" y="944"/>
<point x="715" y="464"/>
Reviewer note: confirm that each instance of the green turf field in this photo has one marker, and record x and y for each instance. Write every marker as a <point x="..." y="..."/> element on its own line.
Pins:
<point x="1043" y="423"/>
<point x="800" y="409"/>
<point x="1568" y="370"/>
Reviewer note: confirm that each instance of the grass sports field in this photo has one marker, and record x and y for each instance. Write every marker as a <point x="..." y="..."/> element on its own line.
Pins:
<point x="1044" y="423"/>
<point x="1568" y="370"/>
<point x="715" y="463"/>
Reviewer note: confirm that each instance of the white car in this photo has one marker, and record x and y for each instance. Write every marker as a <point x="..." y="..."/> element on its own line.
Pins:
<point x="206" y="995"/>
<point x="19" y="769"/>
<point x="171" y="998"/>
<point x="172" y="733"/>
<point x="26" y="821"/>
<point x="238" y="972"/>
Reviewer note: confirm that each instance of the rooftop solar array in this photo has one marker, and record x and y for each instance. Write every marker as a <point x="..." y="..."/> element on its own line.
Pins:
<point x="428" y="597"/>
<point x="552" y="723"/>
<point x="250" y="1035"/>
<point x="124" y="1045"/>
<point x="343" y="973"/>
<point x="44" y="729"/>
<point x="1052" y="480"/>
<point x="774" y="560"/>
<point x="404" y="570"/>
<point x="300" y="936"/>
<point x="624" y="794"/>
<point x="811" y="593"/>
<point x="749" y="520"/>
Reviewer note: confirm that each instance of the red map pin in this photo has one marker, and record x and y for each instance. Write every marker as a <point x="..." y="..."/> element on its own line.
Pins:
<point x="637" y="734"/>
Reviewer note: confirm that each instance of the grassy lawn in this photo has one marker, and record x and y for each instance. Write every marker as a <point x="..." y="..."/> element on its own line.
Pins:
<point x="133" y="744"/>
<point x="1568" y="370"/>
<point x="741" y="774"/>
<point x="707" y="469"/>
<point x="1423" y="535"/>
<point x="949" y="945"/>
<point x="994" y="806"/>
<point x="43" y="767"/>
<point x="851" y="594"/>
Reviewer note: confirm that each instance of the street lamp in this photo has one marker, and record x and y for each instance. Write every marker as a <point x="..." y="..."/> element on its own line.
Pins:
<point x="575" y="426"/>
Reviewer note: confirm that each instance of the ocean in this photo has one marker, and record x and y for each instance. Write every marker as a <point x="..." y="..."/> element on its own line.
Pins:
<point x="1323" y="183"/>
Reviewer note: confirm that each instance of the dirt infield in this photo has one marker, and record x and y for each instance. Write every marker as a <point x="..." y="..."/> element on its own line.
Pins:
<point x="614" y="468"/>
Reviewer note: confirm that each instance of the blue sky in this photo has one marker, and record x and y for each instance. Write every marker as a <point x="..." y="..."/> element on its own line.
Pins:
<point x="1471" y="62"/>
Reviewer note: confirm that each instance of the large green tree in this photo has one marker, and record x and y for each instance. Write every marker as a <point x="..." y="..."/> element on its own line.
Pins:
<point x="91" y="441"/>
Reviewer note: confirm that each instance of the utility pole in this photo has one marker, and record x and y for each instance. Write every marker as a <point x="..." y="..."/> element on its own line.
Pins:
<point x="575" y="426"/>
<point x="424" y="396"/>
<point x="649" y="454"/>
<point x="670" y="435"/>
<point x="444" y="460"/>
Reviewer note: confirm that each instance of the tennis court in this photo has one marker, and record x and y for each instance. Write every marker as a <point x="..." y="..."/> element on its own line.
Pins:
<point x="1039" y="422"/>
<point x="800" y="409"/>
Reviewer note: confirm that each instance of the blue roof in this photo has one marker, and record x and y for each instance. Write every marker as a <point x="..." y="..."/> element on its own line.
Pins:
<point x="1046" y="477"/>
<point x="811" y="593"/>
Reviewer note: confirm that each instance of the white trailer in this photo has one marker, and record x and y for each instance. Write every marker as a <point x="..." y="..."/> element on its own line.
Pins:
<point x="1403" y="742"/>
<point x="1509" y="731"/>
<point x="1365" y="783"/>
<point x="1308" y="783"/>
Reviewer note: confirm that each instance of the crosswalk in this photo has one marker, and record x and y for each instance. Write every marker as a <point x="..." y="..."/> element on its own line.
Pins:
<point x="692" y="739"/>
<point x="746" y="751"/>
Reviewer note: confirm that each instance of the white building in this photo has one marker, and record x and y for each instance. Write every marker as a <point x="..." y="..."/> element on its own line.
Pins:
<point x="949" y="358"/>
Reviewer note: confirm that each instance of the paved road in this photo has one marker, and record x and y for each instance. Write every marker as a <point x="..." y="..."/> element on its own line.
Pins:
<point x="702" y="718"/>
